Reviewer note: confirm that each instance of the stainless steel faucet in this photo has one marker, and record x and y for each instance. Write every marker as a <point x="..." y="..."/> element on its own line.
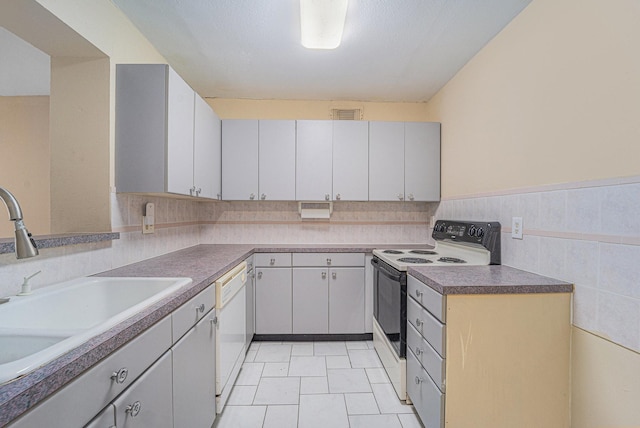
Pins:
<point x="25" y="245"/>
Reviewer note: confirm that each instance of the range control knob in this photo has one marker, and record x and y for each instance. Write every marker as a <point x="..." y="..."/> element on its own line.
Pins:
<point x="472" y="230"/>
<point x="479" y="232"/>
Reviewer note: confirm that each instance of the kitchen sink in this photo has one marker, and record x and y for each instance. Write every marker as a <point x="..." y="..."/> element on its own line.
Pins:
<point x="37" y="328"/>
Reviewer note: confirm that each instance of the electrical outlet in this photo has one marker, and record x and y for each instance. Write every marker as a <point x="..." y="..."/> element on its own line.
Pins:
<point x="148" y="220"/>
<point x="516" y="227"/>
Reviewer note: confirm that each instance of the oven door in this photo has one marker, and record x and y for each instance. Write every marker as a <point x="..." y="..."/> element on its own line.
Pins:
<point x="390" y="303"/>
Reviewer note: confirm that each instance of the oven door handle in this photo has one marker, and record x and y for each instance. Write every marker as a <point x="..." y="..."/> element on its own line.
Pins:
<point x="383" y="270"/>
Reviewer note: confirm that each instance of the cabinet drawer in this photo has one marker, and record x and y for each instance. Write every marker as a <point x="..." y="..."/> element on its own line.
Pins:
<point x="105" y="419"/>
<point x="272" y="259"/>
<point x="187" y="315"/>
<point x="427" y="356"/>
<point x="427" y="325"/>
<point x="328" y="259"/>
<point x="149" y="401"/>
<point x="75" y="404"/>
<point x="427" y="398"/>
<point x="429" y="298"/>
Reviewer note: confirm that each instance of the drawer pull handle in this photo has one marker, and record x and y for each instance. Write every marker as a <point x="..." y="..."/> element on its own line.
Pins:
<point x="329" y="261"/>
<point x="418" y="351"/>
<point x="120" y="376"/>
<point x="259" y="275"/>
<point x="324" y="275"/>
<point x="133" y="409"/>
<point x="200" y="308"/>
<point x="272" y="262"/>
<point x="419" y="322"/>
<point x="214" y="320"/>
<point x="419" y="294"/>
<point x="334" y="275"/>
<point x="419" y="380"/>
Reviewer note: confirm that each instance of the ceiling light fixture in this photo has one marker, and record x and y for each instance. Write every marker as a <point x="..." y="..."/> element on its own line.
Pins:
<point x="322" y="23"/>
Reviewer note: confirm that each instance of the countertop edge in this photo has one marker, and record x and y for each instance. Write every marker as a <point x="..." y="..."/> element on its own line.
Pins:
<point x="7" y="245"/>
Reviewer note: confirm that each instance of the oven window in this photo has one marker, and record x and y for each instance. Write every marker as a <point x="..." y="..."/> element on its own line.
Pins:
<point x="388" y="309"/>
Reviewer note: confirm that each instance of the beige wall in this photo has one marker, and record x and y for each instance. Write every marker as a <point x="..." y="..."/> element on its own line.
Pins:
<point x="555" y="97"/>
<point x="24" y="135"/>
<point x="291" y="109"/>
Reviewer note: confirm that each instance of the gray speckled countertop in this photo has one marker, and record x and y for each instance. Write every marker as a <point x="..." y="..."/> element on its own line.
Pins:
<point x="203" y="264"/>
<point x="7" y="245"/>
<point x="486" y="280"/>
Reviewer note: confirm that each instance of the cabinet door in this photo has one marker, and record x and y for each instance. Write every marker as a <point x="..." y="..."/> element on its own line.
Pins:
<point x="350" y="160"/>
<point x="105" y="419"/>
<point x="251" y="308"/>
<point x="273" y="301"/>
<point x="310" y="301"/>
<point x="386" y="161"/>
<point x="149" y="401"/>
<point x="206" y="151"/>
<point x="194" y="376"/>
<point x="313" y="160"/>
<point x="422" y="161"/>
<point x="239" y="160"/>
<point x="346" y="300"/>
<point x="277" y="160"/>
<point x="180" y="115"/>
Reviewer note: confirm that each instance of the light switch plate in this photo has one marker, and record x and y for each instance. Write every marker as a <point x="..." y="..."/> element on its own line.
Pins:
<point x="148" y="220"/>
<point x="516" y="227"/>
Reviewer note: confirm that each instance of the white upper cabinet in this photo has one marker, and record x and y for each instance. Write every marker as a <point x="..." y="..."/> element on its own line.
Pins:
<point x="277" y="160"/>
<point x="350" y="160"/>
<point x="159" y="136"/>
<point x="386" y="161"/>
<point x="239" y="159"/>
<point x="314" y="141"/>
<point x="422" y="161"/>
<point x="206" y="151"/>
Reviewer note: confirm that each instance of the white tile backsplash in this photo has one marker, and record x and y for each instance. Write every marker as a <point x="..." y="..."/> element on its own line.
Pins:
<point x="574" y="233"/>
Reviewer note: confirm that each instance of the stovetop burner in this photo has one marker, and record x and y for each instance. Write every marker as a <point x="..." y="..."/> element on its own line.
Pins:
<point x="413" y="260"/>
<point x="424" y="252"/>
<point x="451" y="260"/>
<point x="393" y="252"/>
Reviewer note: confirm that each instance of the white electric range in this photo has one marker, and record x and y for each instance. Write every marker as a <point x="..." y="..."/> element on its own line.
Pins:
<point x="458" y="243"/>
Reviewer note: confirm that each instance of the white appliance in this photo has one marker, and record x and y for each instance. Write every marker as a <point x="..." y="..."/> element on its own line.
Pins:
<point x="458" y="243"/>
<point x="231" y="306"/>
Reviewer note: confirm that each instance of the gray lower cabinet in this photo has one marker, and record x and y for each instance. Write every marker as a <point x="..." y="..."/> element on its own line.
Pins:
<point x="346" y="300"/>
<point x="194" y="377"/>
<point x="148" y="402"/>
<point x="273" y="301"/>
<point x="425" y="395"/>
<point x="105" y="419"/>
<point x="310" y="301"/>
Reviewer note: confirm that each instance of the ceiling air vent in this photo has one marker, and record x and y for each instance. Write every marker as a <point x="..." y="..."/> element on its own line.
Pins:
<point x="346" y="114"/>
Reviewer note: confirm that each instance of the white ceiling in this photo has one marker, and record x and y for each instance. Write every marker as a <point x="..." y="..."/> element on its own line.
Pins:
<point x="392" y="50"/>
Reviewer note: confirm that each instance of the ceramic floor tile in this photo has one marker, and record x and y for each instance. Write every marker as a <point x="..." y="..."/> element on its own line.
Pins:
<point x="314" y="385"/>
<point x="254" y="346"/>
<point x="370" y="344"/>
<point x="281" y="417"/>
<point x="329" y="348"/>
<point x="241" y="417"/>
<point x="242" y="395"/>
<point x="387" y="399"/>
<point x="360" y="344"/>
<point x="410" y="421"/>
<point x="278" y="390"/>
<point x="322" y="411"/>
<point x="364" y="358"/>
<point x="361" y="404"/>
<point x="338" y="362"/>
<point x="273" y="353"/>
<point x="377" y="375"/>
<point x="302" y="349"/>
<point x="348" y="380"/>
<point x="269" y="343"/>
<point x="275" y="369"/>
<point x="251" y="355"/>
<point x="374" y="421"/>
<point x="307" y="366"/>
<point x="250" y="374"/>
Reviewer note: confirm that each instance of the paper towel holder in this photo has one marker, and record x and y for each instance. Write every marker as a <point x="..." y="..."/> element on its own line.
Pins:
<point x="315" y="209"/>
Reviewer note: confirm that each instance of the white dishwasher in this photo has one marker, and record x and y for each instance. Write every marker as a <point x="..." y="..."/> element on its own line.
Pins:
<point x="231" y="309"/>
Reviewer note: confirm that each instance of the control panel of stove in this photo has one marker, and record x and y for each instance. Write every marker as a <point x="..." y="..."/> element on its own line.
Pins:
<point x="486" y="234"/>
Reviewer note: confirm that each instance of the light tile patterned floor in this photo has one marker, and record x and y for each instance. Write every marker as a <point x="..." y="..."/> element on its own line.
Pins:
<point x="314" y="385"/>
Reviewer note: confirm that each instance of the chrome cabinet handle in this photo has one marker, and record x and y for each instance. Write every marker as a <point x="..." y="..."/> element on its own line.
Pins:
<point x="419" y="322"/>
<point x="411" y="196"/>
<point x="133" y="409"/>
<point x="192" y="190"/>
<point x="329" y="262"/>
<point x="338" y="197"/>
<point x="272" y="262"/>
<point x="334" y="275"/>
<point x="400" y="196"/>
<point x="214" y="320"/>
<point x="419" y="380"/>
<point x="198" y="191"/>
<point x="418" y="351"/>
<point x="263" y="196"/>
<point x="200" y="308"/>
<point x="259" y="275"/>
<point x="327" y="197"/>
<point x="218" y="195"/>
<point x="419" y="294"/>
<point x="324" y="275"/>
<point x="252" y="196"/>
<point x="120" y="376"/>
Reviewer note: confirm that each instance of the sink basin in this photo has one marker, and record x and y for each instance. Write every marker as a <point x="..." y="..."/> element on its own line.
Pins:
<point x="36" y="329"/>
